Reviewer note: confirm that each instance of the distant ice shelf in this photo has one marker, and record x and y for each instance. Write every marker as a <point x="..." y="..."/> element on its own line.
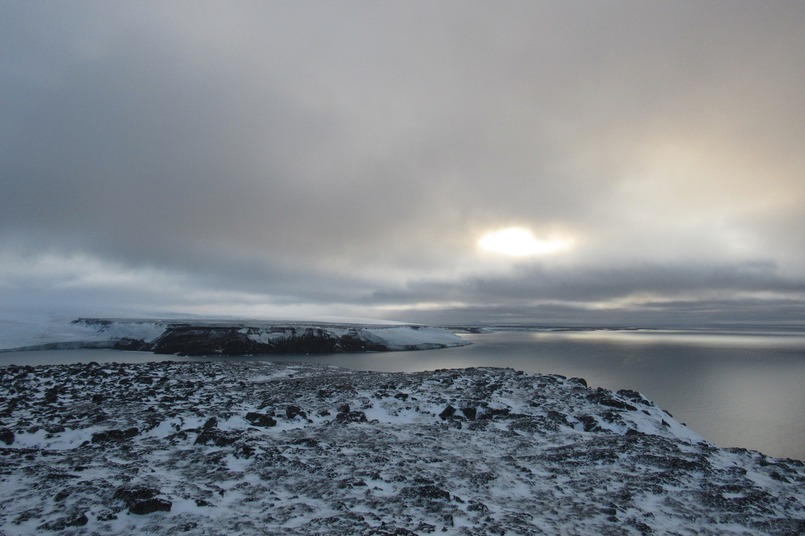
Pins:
<point x="230" y="337"/>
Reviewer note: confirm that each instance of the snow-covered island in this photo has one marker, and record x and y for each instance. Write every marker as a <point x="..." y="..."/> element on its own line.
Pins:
<point x="271" y="448"/>
<point x="221" y="337"/>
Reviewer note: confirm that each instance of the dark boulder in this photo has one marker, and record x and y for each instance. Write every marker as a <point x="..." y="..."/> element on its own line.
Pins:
<point x="114" y="436"/>
<point x="6" y="436"/>
<point x="605" y="398"/>
<point x="469" y="412"/>
<point x="149" y="506"/>
<point x="291" y="412"/>
<point x="448" y="412"/>
<point x="351" y="417"/>
<point x="589" y="423"/>
<point x="260" y="419"/>
<point x="142" y="500"/>
<point x="215" y="437"/>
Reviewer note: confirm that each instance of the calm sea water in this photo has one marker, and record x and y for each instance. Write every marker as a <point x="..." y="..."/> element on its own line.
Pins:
<point x="735" y="389"/>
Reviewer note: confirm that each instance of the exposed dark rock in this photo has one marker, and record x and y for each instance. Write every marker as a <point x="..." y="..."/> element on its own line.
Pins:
<point x="216" y="437"/>
<point x="605" y="398"/>
<point x="351" y="417"/>
<point x="133" y="494"/>
<point x="236" y="340"/>
<point x="260" y="419"/>
<point x="114" y="435"/>
<point x="149" y="506"/>
<point x="424" y="493"/>
<point x="589" y="423"/>
<point x="635" y="397"/>
<point x="448" y="412"/>
<point x="52" y="394"/>
<point x="469" y="412"/>
<point x="78" y="520"/>
<point x="493" y="413"/>
<point x="6" y="436"/>
<point x="212" y="423"/>
<point x="134" y="345"/>
<point x="189" y="340"/>
<point x="291" y="412"/>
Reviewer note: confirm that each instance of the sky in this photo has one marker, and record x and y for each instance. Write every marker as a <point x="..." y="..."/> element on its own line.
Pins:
<point x="568" y="162"/>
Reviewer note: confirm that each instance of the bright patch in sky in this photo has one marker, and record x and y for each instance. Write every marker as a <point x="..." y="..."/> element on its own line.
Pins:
<point x="519" y="242"/>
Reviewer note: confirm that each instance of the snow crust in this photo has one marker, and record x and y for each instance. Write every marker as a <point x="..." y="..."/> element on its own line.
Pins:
<point x="271" y="448"/>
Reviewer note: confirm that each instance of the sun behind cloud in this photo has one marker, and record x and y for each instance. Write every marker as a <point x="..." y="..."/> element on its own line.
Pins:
<point x="520" y="242"/>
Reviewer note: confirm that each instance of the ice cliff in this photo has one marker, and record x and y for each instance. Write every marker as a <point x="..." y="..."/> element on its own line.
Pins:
<point x="200" y="337"/>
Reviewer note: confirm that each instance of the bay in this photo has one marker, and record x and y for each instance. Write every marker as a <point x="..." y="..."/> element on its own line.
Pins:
<point x="736" y="389"/>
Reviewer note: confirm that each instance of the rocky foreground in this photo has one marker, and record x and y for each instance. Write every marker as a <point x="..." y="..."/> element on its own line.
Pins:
<point x="266" y="448"/>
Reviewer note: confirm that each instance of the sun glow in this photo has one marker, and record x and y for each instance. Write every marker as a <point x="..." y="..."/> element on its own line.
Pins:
<point x="519" y="242"/>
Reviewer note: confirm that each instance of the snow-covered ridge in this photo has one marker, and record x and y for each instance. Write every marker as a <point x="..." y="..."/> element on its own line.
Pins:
<point x="208" y="337"/>
<point x="268" y="448"/>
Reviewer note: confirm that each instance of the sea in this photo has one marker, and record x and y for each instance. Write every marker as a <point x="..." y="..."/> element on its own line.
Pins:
<point x="743" y="389"/>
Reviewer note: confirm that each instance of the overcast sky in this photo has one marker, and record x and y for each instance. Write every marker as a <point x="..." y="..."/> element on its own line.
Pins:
<point x="557" y="162"/>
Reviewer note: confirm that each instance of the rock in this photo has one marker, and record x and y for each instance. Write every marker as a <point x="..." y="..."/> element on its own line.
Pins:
<point x="111" y="436"/>
<point x="217" y="437"/>
<point x="6" y="436"/>
<point x="424" y="493"/>
<point x="634" y="396"/>
<point x="52" y="394"/>
<point x="605" y="398"/>
<point x="589" y="423"/>
<point x="132" y="494"/>
<point x="448" y="412"/>
<point x="260" y="419"/>
<point x="351" y="417"/>
<point x="149" y="506"/>
<point x="210" y="424"/>
<point x="134" y="345"/>
<point x="77" y="520"/>
<point x="142" y="500"/>
<point x="291" y="412"/>
<point x="469" y="412"/>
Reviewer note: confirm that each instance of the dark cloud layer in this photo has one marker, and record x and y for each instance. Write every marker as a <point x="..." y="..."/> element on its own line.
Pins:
<point x="345" y="158"/>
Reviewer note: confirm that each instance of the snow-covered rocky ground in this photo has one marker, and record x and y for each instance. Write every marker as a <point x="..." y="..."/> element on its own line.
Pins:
<point x="221" y="337"/>
<point x="271" y="448"/>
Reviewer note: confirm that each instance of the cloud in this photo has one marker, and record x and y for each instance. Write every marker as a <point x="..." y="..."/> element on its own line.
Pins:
<point x="340" y="156"/>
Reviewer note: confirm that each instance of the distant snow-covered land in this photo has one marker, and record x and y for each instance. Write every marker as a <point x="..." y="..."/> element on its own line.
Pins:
<point x="271" y="448"/>
<point x="223" y="337"/>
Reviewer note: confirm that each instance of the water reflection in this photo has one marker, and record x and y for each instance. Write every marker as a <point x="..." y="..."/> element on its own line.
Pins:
<point x="710" y="338"/>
